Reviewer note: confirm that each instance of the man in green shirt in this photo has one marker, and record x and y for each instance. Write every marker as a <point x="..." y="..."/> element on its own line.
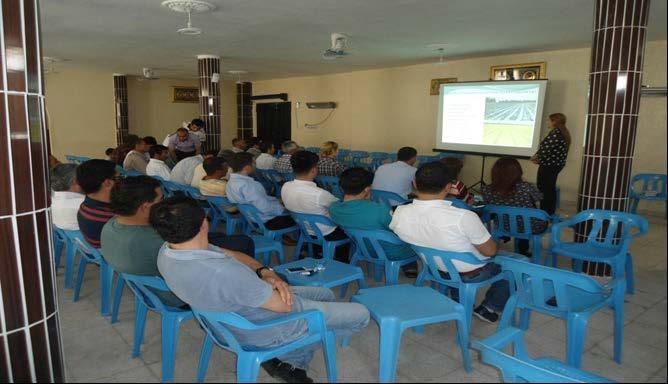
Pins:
<point x="356" y="211"/>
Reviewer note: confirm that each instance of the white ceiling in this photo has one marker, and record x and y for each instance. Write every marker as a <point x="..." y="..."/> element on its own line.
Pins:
<point x="281" y="38"/>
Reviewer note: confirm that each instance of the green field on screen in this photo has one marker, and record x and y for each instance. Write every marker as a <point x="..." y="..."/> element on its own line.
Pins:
<point x="509" y="135"/>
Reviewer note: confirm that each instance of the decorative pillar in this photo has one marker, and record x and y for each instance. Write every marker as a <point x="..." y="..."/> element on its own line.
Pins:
<point x="121" y="101"/>
<point x="209" y="99"/>
<point x="30" y="345"/>
<point x="244" y="110"/>
<point x="617" y="57"/>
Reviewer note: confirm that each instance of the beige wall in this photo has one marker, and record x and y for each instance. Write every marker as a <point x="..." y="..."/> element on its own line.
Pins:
<point x="388" y="108"/>
<point x="81" y="110"/>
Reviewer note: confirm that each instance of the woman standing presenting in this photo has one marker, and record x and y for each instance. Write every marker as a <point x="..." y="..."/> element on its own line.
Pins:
<point x="551" y="158"/>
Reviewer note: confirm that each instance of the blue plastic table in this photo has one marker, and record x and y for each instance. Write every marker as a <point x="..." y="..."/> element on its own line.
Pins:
<point x="398" y="307"/>
<point x="335" y="274"/>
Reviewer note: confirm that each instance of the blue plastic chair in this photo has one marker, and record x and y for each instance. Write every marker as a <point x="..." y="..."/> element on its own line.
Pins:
<point x="169" y="188"/>
<point x="276" y="179"/>
<point x="266" y="241"/>
<point x="315" y="150"/>
<point x="63" y="238"/>
<point x="652" y="188"/>
<point x="76" y="159"/>
<point x="577" y="297"/>
<point x="330" y="184"/>
<point x="423" y="159"/>
<point x="431" y="259"/>
<point x="389" y="199"/>
<point x="263" y="179"/>
<point x="399" y="307"/>
<point x="459" y="203"/>
<point x="368" y="248"/>
<point x="608" y="238"/>
<point x="520" y="368"/>
<point x="377" y="159"/>
<point x="90" y="255"/>
<point x="357" y="157"/>
<point x="144" y="288"/>
<point x="233" y="221"/>
<point x="504" y="221"/>
<point x="310" y="234"/>
<point x="59" y="242"/>
<point x="217" y="327"/>
<point x="335" y="274"/>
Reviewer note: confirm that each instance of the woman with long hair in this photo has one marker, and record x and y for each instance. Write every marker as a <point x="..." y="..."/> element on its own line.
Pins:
<point x="551" y="159"/>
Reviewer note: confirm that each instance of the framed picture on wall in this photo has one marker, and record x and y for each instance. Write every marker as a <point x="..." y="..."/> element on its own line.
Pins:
<point x="529" y="71"/>
<point x="435" y="86"/>
<point x="185" y="95"/>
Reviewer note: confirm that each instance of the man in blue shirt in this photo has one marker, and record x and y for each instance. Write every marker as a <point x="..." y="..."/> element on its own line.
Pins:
<point x="210" y="279"/>
<point x="184" y="144"/>
<point x="397" y="177"/>
<point x="243" y="189"/>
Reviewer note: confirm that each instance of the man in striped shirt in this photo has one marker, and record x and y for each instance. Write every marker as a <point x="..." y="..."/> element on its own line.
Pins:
<point x="96" y="178"/>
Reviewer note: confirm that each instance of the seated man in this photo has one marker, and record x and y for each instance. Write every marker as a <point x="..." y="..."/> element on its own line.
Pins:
<point x="356" y="211"/>
<point x="397" y="177"/>
<point x="213" y="184"/>
<point x="243" y="189"/>
<point x="131" y="245"/>
<point x="266" y="159"/>
<point x="184" y="170"/>
<point x="303" y="196"/>
<point x="67" y="196"/>
<point x="211" y="279"/>
<point x="239" y="145"/>
<point x="156" y="166"/>
<point x="96" y="178"/>
<point x="135" y="160"/>
<point x="283" y="165"/>
<point x="431" y="221"/>
<point x="253" y="145"/>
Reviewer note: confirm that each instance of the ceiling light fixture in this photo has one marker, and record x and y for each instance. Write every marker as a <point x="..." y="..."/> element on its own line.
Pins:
<point x="440" y="50"/>
<point x="238" y="74"/>
<point x="189" y="6"/>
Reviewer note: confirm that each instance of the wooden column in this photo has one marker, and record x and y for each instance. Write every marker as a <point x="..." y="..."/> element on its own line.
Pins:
<point x="209" y="100"/>
<point x="30" y="345"/>
<point x="615" y="77"/>
<point x="121" y="100"/>
<point x="244" y="110"/>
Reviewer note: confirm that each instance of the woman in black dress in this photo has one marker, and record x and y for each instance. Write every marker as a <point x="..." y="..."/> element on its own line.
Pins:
<point x="551" y="158"/>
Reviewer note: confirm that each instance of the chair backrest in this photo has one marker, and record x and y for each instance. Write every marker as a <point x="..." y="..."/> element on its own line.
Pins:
<point x="436" y="260"/>
<point x="358" y="156"/>
<point x="514" y="222"/>
<point x="308" y="225"/>
<point x="315" y="150"/>
<point x="368" y="242"/>
<point x="377" y="159"/>
<point x="253" y="218"/>
<point x="331" y="184"/>
<point x="423" y="159"/>
<point x="653" y="186"/>
<point x="88" y="251"/>
<point x="459" y="203"/>
<point x="193" y="192"/>
<point x="76" y="159"/>
<point x="218" y="205"/>
<point x="144" y="288"/>
<point x="609" y="229"/>
<point x="389" y="199"/>
<point x="537" y="284"/>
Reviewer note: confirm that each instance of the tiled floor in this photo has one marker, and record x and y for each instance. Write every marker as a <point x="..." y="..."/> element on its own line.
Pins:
<point x="96" y="351"/>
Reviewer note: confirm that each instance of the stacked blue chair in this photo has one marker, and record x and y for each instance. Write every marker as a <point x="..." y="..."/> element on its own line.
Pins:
<point x="392" y="157"/>
<point x="233" y="221"/>
<point x="144" y="288"/>
<point x="424" y="159"/>
<point x="652" y="188"/>
<point x="358" y="157"/>
<point x="520" y="368"/>
<point x="567" y="295"/>
<point x="76" y="159"/>
<point x="389" y="199"/>
<point x="377" y="159"/>
<point x="90" y="255"/>
<point x="315" y="150"/>
<point x="608" y="238"/>
<point x="368" y="248"/>
<point x="266" y="241"/>
<point x="431" y="259"/>
<point x="518" y="223"/>
<point x="217" y="327"/>
<point x="310" y="234"/>
<point x="331" y="184"/>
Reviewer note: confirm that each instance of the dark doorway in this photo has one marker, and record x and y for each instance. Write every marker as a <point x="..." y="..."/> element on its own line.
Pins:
<point x="274" y="122"/>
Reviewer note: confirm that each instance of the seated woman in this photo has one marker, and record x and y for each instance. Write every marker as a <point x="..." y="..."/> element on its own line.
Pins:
<point x="328" y="165"/>
<point x="458" y="189"/>
<point x="508" y="188"/>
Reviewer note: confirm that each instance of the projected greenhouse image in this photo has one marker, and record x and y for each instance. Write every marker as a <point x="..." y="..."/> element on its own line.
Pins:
<point x="509" y="122"/>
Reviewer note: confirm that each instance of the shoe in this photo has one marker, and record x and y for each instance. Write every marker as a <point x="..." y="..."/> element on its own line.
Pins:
<point x="410" y="271"/>
<point x="285" y="372"/>
<point x="485" y="315"/>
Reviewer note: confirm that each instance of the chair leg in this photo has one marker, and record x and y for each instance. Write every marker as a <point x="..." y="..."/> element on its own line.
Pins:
<point x="248" y="365"/>
<point x="391" y="273"/>
<point x="140" y="325"/>
<point x="204" y="357"/>
<point x="630" y="277"/>
<point x="467" y="299"/>
<point x="298" y="249"/>
<point x="57" y="250"/>
<point x="525" y="318"/>
<point x="170" y="339"/>
<point x="69" y="263"/>
<point x="80" y="275"/>
<point x="463" y="338"/>
<point x="106" y="281"/>
<point x="619" y="329"/>
<point x="390" y="341"/>
<point x="329" y="349"/>
<point x="537" y="251"/>
<point x="280" y="254"/>
<point x="576" y="333"/>
<point x="118" y="295"/>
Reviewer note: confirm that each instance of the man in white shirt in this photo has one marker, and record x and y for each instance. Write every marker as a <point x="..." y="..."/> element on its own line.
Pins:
<point x="184" y="170"/>
<point x="431" y="221"/>
<point x="266" y="159"/>
<point x="397" y="177"/>
<point x="67" y="196"/>
<point x="303" y="196"/>
<point x="196" y="127"/>
<point x="156" y="166"/>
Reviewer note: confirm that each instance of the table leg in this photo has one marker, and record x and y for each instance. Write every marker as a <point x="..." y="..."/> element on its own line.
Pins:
<point x="390" y="341"/>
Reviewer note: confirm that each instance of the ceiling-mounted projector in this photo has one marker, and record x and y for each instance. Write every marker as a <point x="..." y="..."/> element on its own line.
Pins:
<point x="321" y="105"/>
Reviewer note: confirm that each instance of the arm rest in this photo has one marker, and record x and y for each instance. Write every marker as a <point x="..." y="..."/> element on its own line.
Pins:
<point x="500" y="339"/>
